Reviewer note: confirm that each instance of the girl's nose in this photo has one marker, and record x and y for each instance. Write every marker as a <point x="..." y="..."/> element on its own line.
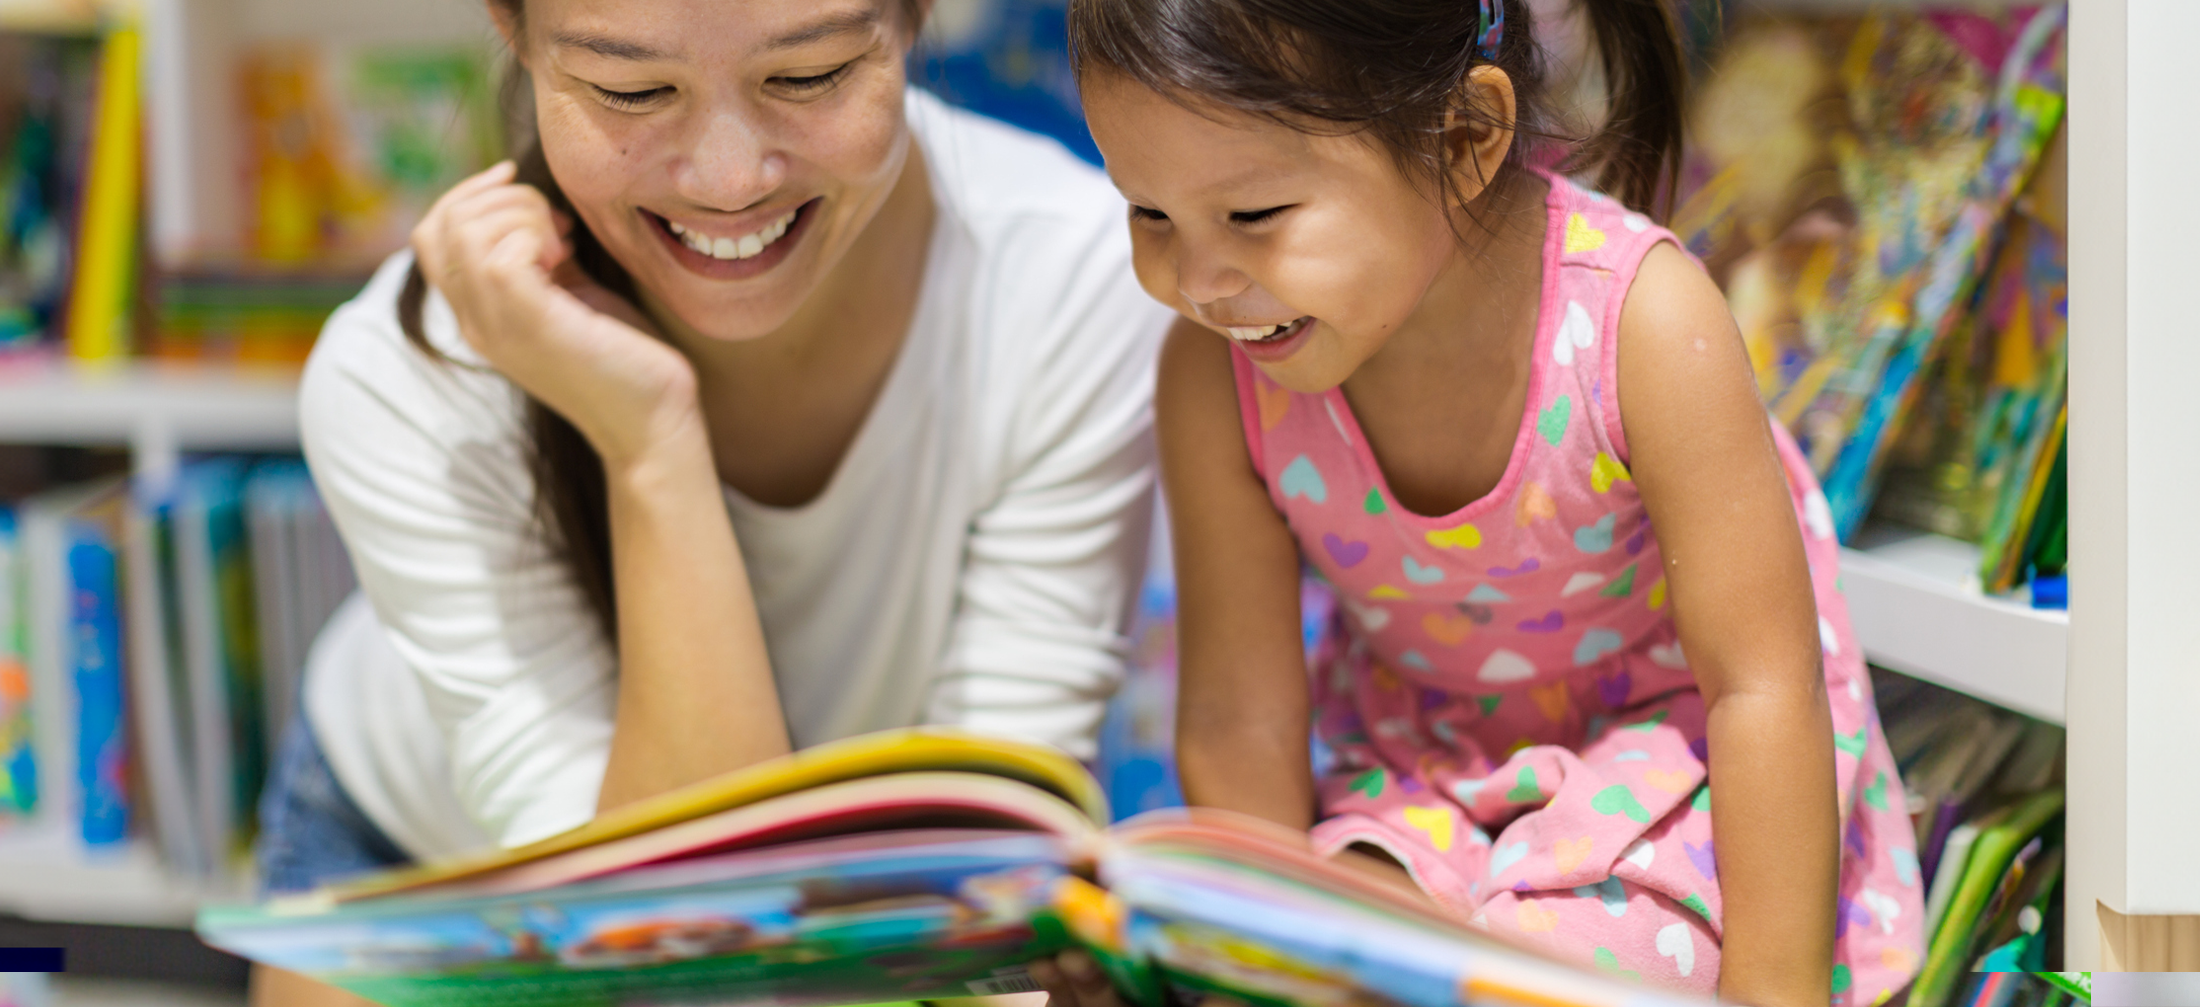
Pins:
<point x="729" y="165"/>
<point x="1204" y="278"/>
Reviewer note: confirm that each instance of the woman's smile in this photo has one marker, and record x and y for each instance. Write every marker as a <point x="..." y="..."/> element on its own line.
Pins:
<point x="719" y="251"/>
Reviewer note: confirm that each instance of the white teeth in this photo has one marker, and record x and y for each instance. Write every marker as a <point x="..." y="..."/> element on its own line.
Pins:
<point x="746" y="246"/>
<point x="1254" y="333"/>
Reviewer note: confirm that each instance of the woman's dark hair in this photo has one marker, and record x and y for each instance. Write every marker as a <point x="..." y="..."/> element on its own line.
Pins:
<point x="571" y="501"/>
<point x="1393" y="68"/>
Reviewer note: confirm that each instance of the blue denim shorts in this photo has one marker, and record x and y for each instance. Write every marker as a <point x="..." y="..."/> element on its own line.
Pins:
<point x="310" y="831"/>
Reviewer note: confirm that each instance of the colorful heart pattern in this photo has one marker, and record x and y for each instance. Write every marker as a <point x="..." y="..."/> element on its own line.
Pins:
<point x="1436" y="822"/>
<point x="1274" y="402"/>
<point x="1346" y="554"/>
<point x="1420" y="574"/>
<point x="1618" y="800"/>
<point x="1678" y="942"/>
<point x="1577" y="331"/>
<point x="1535" y="505"/>
<point x="1464" y="536"/>
<point x="1551" y="422"/>
<point x="1568" y="854"/>
<point x="1302" y="479"/>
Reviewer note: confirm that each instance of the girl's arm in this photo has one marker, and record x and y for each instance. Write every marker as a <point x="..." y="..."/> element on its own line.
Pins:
<point x="1703" y="457"/>
<point x="695" y="692"/>
<point x="1241" y="724"/>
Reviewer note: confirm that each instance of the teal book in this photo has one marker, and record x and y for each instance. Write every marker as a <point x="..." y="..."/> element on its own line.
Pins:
<point x="18" y="752"/>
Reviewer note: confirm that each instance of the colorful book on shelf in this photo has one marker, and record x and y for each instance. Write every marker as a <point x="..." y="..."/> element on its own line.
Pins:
<point x="70" y="541"/>
<point x="103" y="296"/>
<point x="215" y="600"/>
<point x="46" y="87"/>
<point x="345" y="147"/>
<point x="1950" y="948"/>
<point x="300" y="574"/>
<point x="1856" y="172"/>
<point x="903" y="865"/>
<point x="18" y="753"/>
<point x="166" y="756"/>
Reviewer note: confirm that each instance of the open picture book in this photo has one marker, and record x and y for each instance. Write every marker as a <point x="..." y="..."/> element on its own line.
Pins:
<point x="896" y="866"/>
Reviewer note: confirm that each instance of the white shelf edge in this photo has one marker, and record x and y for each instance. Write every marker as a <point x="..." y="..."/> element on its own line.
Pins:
<point x="174" y="407"/>
<point x="130" y="886"/>
<point x="1915" y="612"/>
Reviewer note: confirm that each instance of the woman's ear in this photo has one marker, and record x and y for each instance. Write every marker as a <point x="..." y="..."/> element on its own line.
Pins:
<point x="504" y="14"/>
<point x="1478" y="131"/>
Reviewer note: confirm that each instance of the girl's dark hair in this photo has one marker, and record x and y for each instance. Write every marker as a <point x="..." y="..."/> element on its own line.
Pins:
<point x="572" y="504"/>
<point x="1393" y="68"/>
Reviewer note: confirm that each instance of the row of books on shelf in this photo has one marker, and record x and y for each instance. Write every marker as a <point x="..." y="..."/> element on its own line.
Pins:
<point x="342" y="147"/>
<point x="1985" y="791"/>
<point x="152" y="641"/>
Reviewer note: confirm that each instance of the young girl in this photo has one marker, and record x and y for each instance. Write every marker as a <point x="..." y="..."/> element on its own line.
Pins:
<point x="1595" y="688"/>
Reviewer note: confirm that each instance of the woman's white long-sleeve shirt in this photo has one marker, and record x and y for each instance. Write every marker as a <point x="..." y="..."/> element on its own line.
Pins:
<point x="970" y="562"/>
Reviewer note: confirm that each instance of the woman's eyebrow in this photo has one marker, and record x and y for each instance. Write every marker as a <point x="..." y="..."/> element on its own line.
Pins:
<point x="841" y="23"/>
<point x="605" y="45"/>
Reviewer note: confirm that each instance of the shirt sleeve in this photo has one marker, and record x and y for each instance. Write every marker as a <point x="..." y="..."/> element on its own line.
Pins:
<point x="424" y="469"/>
<point x="1053" y="560"/>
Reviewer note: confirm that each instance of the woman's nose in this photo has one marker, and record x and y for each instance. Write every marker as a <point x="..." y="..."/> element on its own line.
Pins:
<point x="730" y="165"/>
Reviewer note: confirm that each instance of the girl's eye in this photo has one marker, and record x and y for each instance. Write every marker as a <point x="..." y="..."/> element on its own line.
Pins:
<point x="815" y="82"/>
<point x="1256" y="216"/>
<point x="1146" y="213"/>
<point x="627" y="100"/>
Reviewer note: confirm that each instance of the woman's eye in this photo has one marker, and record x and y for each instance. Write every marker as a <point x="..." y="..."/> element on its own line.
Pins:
<point x="814" y="82"/>
<point x="1256" y="216"/>
<point x="630" y="99"/>
<point x="1146" y="213"/>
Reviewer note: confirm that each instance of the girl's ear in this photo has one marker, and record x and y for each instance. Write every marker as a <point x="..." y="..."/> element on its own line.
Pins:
<point x="1478" y="130"/>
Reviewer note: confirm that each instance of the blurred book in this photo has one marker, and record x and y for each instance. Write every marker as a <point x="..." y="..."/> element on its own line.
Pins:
<point x="1850" y="181"/>
<point x="346" y="147"/>
<point x="18" y="753"/>
<point x="46" y="95"/>
<point x="70" y="539"/>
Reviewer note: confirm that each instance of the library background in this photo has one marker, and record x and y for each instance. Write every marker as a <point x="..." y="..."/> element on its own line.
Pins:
<point x="1947" y="228"/>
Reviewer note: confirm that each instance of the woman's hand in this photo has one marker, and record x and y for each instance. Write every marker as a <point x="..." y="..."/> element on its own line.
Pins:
<point x="498" y="252"/>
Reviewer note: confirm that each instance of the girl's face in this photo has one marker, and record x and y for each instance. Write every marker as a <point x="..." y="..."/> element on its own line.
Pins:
<point x="727" y="155"/>
<point x="1309" y="251"/>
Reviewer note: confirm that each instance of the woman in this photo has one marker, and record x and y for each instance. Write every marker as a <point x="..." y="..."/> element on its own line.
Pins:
<point x="785" y="404"/>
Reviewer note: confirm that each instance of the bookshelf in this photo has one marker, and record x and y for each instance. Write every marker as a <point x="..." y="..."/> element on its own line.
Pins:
<point x="1916" y="607"/>
<point x="2116" y="669"/>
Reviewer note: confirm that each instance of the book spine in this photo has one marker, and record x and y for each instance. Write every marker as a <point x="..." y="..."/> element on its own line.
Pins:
<point x="46" y="627"/>
<point x="103" y="297"/>
<point x="154" y="705"/>
<point x="95" y="638"/>
<point x="18" y="753"/>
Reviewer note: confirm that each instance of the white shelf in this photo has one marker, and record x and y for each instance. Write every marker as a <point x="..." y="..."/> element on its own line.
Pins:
<point x="148" y="406"/>
<point x="1916" y="607"/>
<point x="43" y="878"/>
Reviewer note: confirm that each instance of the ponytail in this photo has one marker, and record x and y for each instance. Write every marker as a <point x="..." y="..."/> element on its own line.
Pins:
<point x="1637" y="151"/>
<point x="572" y="503"/>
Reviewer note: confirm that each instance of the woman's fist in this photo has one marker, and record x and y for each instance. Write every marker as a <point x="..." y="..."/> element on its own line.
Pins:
<point x="499" y="254"/>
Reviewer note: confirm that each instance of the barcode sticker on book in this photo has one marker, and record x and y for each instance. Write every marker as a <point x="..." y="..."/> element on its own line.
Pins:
<point x="1009" y="980"/>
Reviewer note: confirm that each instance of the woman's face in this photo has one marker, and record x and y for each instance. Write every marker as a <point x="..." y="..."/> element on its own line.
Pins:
<point x="728" y="155"/>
